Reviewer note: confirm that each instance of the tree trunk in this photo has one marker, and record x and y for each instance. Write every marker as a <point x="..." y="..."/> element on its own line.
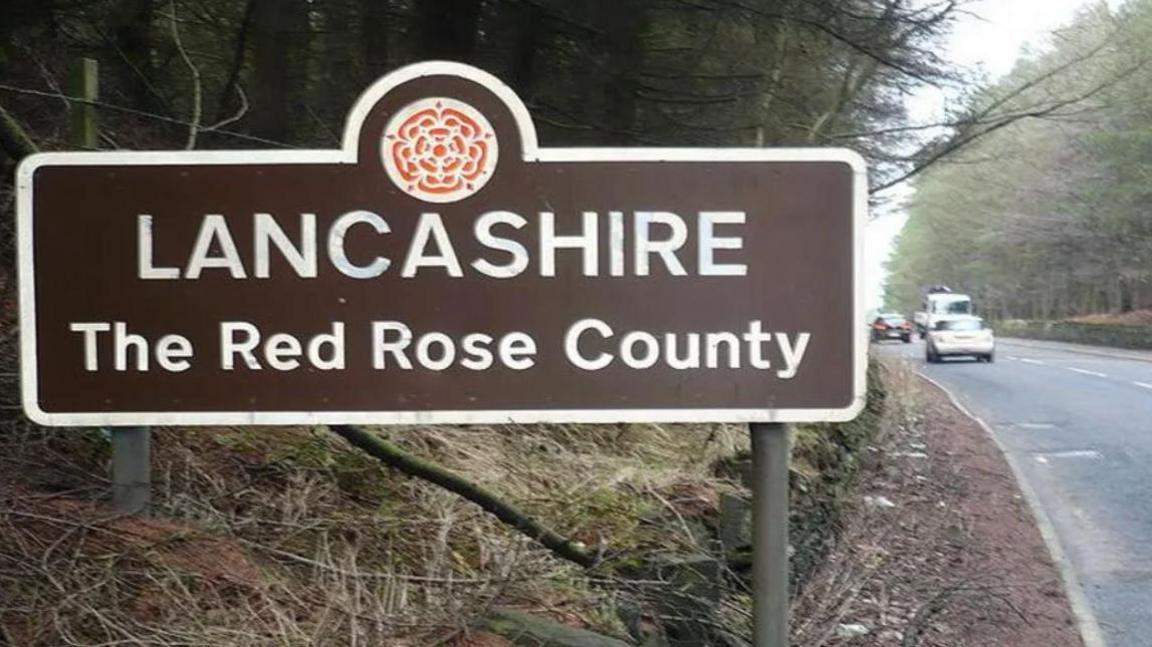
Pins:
<point x="339" y="79"/>
<point x="129" y="25"/>
<point x="374" y="37"/>
<point x="1126" y="297"/>
<point x="527" y="26"/>
<point x="624" y="24"/>
<point x="280" y="41"/>
<point x="447" y="29"/>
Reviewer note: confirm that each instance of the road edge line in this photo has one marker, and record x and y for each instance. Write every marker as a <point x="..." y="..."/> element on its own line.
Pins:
<point x="1090" y="633"/>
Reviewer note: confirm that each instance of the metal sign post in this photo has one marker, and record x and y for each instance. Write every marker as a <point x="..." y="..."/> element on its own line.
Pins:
<point x="131" y="446"/>
<point x="771" y="448"/>
<point x="132" y="469"/>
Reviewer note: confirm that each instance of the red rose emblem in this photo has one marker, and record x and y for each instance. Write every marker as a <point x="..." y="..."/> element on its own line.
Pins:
<point x="439" y="150"/>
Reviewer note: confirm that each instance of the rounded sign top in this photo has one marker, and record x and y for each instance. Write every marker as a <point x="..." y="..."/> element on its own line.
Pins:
<point x="439" y="149"/>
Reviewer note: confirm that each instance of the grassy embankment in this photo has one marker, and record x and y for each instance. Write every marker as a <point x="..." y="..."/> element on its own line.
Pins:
<point x="293" y="537"/>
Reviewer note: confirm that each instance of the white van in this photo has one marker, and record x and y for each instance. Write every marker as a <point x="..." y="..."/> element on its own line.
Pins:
<point x="944" y="305"/>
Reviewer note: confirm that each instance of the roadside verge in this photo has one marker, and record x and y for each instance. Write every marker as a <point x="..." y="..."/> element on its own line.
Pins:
<point x="1086" y="621"/>
<point x="940" y="548"/>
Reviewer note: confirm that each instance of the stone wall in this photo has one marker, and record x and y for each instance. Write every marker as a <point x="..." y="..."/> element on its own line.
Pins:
<point x="1116" y="336"/>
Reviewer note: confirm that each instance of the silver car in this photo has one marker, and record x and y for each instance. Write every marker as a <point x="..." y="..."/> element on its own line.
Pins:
<point x="960" y="336"/>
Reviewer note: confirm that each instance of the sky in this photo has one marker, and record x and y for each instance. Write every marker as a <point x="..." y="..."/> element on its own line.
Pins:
<point x="990" y="39"/>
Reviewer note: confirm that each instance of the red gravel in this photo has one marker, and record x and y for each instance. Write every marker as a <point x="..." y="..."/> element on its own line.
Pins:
<point x="957" y="562"/>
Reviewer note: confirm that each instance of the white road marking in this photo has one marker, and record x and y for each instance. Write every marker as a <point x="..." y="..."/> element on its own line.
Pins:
<point x="1086" y="372"/>
<point x="1030" y="361"/>
<point x="1034" y="425"/>
<point x="1143" y="384"/>
<point x="1013" y="357"/>
<point x="1071" y="453"/>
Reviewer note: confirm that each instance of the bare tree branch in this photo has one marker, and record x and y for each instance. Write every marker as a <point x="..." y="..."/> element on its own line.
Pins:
<point x="197" y="98"/>
<point x="395" y="457"/>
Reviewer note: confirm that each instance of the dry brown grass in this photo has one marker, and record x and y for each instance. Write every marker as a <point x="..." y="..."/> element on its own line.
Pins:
<point x="289" y="537"/>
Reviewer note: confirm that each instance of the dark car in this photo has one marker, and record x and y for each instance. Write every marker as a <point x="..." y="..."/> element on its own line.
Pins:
<point x="891" y="326"/>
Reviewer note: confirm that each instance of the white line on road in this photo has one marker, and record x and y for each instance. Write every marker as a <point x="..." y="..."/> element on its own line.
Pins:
<point x="1030" y="361"/>
<point x="1071" y="453"/>
<point x="1086" y="371"/>
<point x="1143" y="384"/>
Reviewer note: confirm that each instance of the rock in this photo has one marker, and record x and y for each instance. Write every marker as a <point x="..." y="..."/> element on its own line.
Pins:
<point x="697" y="576"/>
<point x="851" y="630"/>
<point x="879" y="502"/>
<point x="890" y="637"/>
<point x="639" y="623"/>
<point x="685" y="604"/>
<point x="735" y="524"/>
<point x="532" y="631"/>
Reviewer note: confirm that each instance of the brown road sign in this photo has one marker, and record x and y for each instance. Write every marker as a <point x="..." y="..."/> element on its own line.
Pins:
<point x="441" y="267"/>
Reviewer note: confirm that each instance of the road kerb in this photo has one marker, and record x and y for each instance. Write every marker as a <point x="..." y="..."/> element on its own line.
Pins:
<point x="1090" y="632"/>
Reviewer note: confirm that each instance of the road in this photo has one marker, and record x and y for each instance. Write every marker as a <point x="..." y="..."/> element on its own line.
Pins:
<point x="1079" y="428"/>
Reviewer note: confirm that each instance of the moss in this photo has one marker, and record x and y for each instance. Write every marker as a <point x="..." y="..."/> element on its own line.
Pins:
<point x="613" y="515"/>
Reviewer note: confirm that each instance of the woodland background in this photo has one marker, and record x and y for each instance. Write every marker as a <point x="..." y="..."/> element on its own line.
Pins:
<point x="1048" y="217"/>
<point x="282" y="73"/>
<point x="180" y="74"/>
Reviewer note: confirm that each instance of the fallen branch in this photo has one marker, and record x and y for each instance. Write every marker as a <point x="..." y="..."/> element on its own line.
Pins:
<point x="15" y="142"/>
<point x="395" y="457"/>
<point x="933" y="606"/>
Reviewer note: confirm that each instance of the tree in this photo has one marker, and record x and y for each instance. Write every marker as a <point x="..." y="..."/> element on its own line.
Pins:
<point x="1043" y="217"/>
<point x="279" y="61"/>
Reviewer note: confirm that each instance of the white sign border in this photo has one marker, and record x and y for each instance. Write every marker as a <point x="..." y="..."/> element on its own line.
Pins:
<point x="347" y="154"/>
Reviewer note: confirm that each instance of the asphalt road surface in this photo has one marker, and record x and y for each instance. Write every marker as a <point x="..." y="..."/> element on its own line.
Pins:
<point x="1079" y="428"/>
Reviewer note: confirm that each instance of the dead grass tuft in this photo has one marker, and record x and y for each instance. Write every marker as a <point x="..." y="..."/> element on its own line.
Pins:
<point x="288" y="536"/>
